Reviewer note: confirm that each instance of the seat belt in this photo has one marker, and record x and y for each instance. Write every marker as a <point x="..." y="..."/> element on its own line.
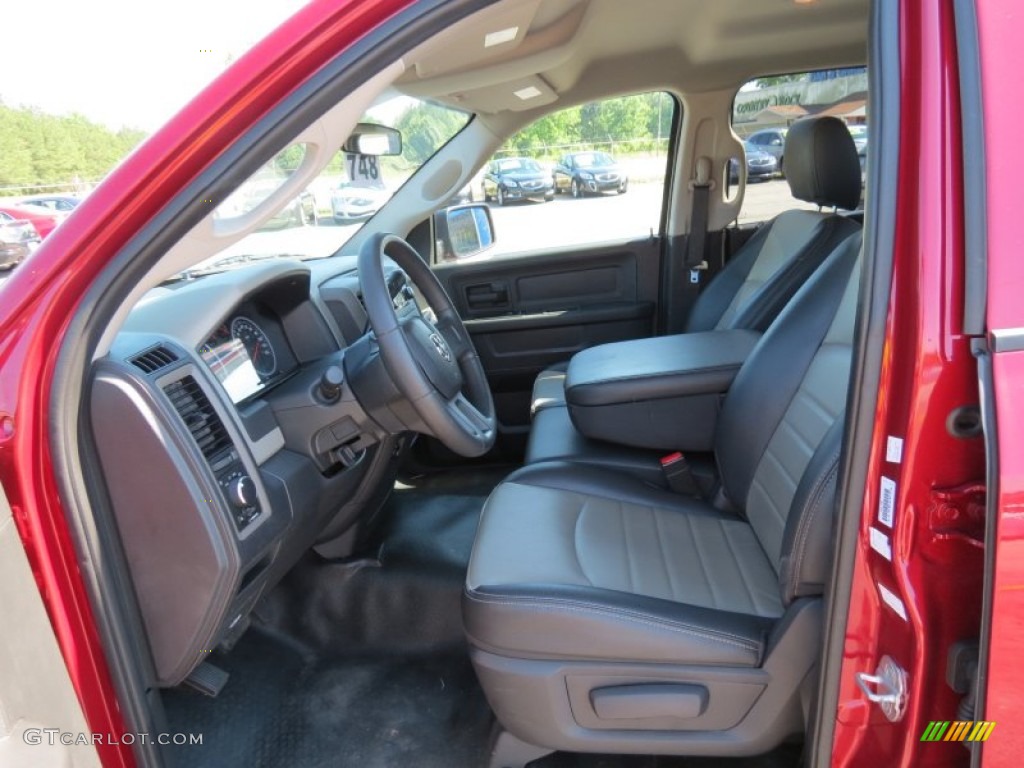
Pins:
<point x="701" y="186"/>
<point x="684" y="290"/>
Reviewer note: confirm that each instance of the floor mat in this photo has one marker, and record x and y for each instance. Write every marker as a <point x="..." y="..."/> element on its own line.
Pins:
<point x="403" y="595"/>
<point x="283" y="708"/>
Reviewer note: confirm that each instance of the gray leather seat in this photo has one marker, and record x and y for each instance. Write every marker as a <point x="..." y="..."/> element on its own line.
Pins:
<point x="605" y="614"/>
<point x="821" y="167"/>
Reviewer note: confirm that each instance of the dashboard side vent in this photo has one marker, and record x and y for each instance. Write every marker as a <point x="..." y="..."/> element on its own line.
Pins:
<point x="195" y="409"/>
<point x="154" y="359"/>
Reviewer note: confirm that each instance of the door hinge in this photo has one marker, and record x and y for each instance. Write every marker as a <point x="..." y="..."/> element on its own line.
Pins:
<point x="887" y="688"/>
<point x="959" y="513"/>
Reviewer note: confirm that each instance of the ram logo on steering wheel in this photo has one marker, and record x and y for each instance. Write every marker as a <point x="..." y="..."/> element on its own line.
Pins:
<point x="441" y="347"/>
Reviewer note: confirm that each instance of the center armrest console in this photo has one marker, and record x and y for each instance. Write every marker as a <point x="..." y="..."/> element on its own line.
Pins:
<point x="662" y="392"/>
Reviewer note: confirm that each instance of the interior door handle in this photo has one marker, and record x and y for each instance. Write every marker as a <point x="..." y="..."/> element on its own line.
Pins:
<point x="487" y="296"/>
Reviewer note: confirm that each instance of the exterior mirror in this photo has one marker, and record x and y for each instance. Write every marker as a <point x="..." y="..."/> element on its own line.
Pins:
<point x="375" y="140"/>
<point x="463" y="231"/>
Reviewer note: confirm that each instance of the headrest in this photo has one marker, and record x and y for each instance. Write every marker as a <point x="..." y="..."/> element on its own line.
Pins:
<point x="821" y="162"/>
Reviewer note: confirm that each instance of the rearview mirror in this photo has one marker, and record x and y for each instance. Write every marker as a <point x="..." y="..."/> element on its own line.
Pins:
<point x="463" y="231"/>
<point x="371" y="139"/>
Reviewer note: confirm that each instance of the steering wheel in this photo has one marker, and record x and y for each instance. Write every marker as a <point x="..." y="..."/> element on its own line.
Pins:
<point x="433" y="365"/>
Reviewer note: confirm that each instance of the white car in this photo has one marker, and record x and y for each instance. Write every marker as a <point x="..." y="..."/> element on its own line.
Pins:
<point x="355" y="201"/>
<point x="56" y="203"/>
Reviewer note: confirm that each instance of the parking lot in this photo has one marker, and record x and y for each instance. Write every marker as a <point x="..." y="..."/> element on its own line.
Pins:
<point x="533" y="226"/>
<point x="565" y="222"/>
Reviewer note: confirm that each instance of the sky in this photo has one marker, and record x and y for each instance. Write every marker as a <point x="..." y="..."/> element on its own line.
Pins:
<point x="125" y="63"/>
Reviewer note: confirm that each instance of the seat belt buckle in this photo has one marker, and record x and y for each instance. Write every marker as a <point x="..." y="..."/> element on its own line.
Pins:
<point x="696" y="270"/>
<point x="678" y="474"/>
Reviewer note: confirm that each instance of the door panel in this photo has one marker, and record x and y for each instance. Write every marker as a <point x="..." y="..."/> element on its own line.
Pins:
<point x="528" y="311"/>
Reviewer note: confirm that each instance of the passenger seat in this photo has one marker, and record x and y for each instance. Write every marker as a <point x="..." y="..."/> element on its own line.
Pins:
<point x="604" y="615"/>
<point x="821" y="167"/>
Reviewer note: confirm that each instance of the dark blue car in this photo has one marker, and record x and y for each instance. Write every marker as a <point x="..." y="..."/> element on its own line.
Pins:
<point x="589" y="173"/>
<point x="760" y="165"/>
<point x="517" y="178"/>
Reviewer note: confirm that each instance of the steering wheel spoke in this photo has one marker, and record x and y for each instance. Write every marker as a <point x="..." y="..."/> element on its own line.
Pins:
<point x="469" y="416"/>
<point x="449" y="325"/>
<point x="433" y="365"/>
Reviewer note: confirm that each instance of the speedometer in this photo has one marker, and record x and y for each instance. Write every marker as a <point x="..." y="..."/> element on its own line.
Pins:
<point x="256" y="343"/>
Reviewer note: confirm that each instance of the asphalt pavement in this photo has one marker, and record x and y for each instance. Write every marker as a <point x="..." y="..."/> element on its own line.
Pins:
<point x="564" y="222"/>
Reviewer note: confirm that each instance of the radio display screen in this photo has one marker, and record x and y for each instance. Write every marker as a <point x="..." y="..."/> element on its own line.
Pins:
<point x="230" y="362"/>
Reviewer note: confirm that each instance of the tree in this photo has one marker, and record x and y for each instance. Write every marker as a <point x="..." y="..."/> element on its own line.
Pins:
<point x="768" y="82"/>
<point x="642" y="117"/>
<point x="15" y="156"/>
<point x="558" y="128"/>
<point x="621" y="119"/>
<point x="662" y="108"/>
<point x="37" y="149"/>
<point x="425" y="128"/>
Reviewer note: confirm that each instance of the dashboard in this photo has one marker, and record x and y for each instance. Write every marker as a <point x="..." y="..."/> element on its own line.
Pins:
<point x="235" y="395"/>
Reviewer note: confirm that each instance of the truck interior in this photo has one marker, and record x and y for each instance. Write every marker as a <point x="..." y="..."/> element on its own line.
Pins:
<point x="439" y="528"/>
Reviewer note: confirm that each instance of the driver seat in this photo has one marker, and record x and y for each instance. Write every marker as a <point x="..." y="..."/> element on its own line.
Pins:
<point x="607" y="615"/>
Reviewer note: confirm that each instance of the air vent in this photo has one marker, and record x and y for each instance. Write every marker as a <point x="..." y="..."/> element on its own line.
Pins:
<point x="154" y="359"/>
<point x="202" y="420"/>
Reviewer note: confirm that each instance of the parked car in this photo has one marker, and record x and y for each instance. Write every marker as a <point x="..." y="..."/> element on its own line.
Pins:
<point x="760" y="165"/>
<point x="860" y="137"/>
<point x="301" y="212"/>
<point x="58" y="203"/>
<point x="516" y="178"/>
<point x="17" y="240"/>
<point x="269" y="515"/>
<point x="463" y="196"/>
<point x="773" y="142"/>
<point x="860" y="141"/>
<point x="357" y="201"/>
<point x="589" y="173"/>
<point x="43" y="220"/>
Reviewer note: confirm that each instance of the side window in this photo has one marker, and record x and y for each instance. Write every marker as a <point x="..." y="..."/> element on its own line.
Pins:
<point x="763" y="111"/>
<point x="586" y="175"/>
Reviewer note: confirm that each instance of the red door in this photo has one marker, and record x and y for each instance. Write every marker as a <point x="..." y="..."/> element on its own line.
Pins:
<point x="1000" y="28"/>
<point x="918" y="563"/>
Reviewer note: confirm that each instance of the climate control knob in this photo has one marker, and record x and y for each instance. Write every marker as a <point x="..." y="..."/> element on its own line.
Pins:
<point x="242" y="492"/>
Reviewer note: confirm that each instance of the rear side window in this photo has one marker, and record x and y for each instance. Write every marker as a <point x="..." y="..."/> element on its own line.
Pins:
<point x="764" y="110"/>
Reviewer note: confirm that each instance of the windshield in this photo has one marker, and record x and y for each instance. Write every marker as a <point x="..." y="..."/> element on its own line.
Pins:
<point x="325" y="215"/>
<point x="594" y="159"/>
<point x="518" y="164"/>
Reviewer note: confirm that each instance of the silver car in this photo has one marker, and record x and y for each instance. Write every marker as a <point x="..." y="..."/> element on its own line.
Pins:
<point x="17" y="240"/>
<point x="773" y="142"/>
